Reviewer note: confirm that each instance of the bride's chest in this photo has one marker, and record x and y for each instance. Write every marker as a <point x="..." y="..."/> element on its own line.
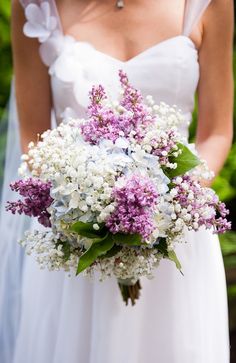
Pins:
<point x="169" y="71"/>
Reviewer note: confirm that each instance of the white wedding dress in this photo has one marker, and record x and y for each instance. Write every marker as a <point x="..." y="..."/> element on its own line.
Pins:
<point x="61" y="319"/>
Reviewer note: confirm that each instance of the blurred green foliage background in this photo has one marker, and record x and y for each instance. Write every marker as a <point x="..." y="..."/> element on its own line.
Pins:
<point x="225" y="183"/>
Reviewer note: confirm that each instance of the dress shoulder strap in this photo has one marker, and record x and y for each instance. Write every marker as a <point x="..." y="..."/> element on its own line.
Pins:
<point x="193" y="11"/>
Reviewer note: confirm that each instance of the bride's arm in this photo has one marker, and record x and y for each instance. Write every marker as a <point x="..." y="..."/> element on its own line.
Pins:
<point x="215" y="90"/>
<point x="31" y="81"/>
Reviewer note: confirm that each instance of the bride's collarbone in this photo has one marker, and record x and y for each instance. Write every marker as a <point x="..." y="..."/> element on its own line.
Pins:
<point x="122" y="34"/>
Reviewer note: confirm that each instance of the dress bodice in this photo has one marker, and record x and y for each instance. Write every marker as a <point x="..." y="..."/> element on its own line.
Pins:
<point x="169" y="70"/>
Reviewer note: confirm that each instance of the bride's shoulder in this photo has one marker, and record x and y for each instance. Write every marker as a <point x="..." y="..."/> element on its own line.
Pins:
<point x="222" y="2"/>
<point x="216" y="6"/>
<point x="24" y="48"/>
<point x="218" y="31"/>
<point x="17" y="14"/>
<point x="219" y="15"/>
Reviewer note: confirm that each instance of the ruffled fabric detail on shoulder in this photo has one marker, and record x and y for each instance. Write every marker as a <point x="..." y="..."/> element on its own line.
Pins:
<point x="40" y="22"/>
<point x="73" y="56"/>
<point x="52" y="48"/>
<point x="75" y="66"/>
<point x="44" y="25"/>
<point x="69" y="60"/>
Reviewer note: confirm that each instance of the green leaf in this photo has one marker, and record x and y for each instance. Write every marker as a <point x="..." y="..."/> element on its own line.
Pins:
<point x="105" y="247"/>
<point x="172" y="257"/>
<point x="128" y="239"/>
<point x="185" y="162"/>
<point x="102" y="238"/>
<point x="112" y="252"/>
<point x="162" y="246"/>
<point x="87" y="230"/>
<point x="96" y="250"/>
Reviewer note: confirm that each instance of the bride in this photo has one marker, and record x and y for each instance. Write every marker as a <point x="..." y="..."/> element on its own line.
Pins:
<point x="169" y="49"/>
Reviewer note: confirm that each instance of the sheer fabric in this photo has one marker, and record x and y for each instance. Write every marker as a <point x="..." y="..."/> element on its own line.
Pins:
<point x="11" y="255"/>
<point x="193" y="12"/>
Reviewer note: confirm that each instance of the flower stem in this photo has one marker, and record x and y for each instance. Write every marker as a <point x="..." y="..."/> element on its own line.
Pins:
<point x="130" y="292"/>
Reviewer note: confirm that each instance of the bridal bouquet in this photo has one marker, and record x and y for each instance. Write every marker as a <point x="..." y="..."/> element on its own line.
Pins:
<point x="116" y="191"/>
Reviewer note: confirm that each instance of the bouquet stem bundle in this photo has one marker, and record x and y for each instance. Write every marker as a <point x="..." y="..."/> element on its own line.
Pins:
<point x="130" y="292"/>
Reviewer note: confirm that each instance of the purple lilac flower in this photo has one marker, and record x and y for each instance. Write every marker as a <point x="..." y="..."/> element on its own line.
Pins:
<point x="36" y="200"/>
<point x="202" y="199"/>
<point x="134" y="205"/>
<point x="163" y="146"/>
<point x="106" y="123"/>
<point x="97" y="95"/>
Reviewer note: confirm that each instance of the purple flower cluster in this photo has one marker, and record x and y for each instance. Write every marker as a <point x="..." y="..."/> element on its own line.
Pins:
<point x="105" y="123"/>
<point x="36" y="199"/>
<point x="202" y="204"/>
<point x="134" y="205"/>
<point x="222" y="225"/>
<point x="133" y="101"/>
<point x="97" y="95"/>
<point x="164" y="146"/>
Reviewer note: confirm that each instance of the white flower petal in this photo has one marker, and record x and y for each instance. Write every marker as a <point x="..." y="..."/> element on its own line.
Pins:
<point x="122" y="143"/>
<point x="52" y="23"/>
<point x="66" y="68"/>
<point x="40" y="23"/>
<point x="45" y="9"/>
<point x="74" y="202"/>
<point x="34" y="14"/>
<point x="35" y="31"/>
<point x="51" y="49"/>
<point x="44" y="37"/>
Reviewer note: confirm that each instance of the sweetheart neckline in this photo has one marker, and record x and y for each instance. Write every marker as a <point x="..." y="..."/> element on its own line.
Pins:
<point x="140" y="54"/>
